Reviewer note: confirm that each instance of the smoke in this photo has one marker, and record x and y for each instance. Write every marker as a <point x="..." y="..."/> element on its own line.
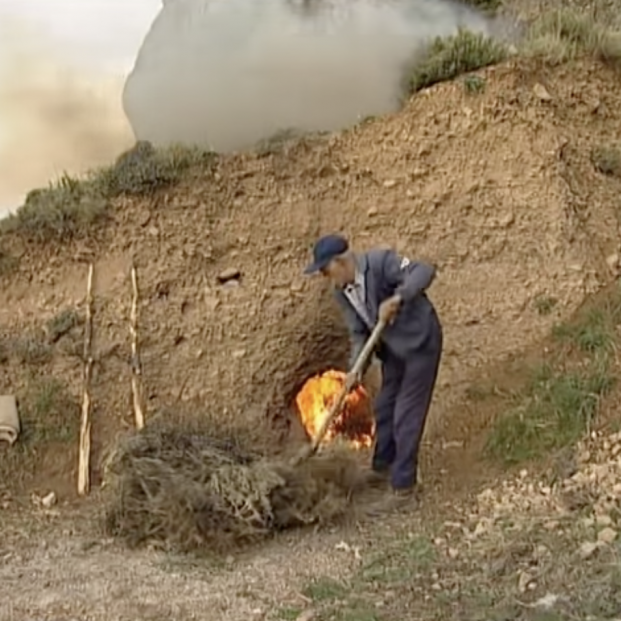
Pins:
<point x="54" y="117"/>
<point x="227" y="73"/>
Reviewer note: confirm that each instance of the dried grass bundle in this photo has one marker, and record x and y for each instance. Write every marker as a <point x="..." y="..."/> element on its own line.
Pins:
<point x="189" y="491"/>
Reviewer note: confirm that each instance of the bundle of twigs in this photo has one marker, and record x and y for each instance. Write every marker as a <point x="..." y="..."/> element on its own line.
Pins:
<point x="190" y="491"/>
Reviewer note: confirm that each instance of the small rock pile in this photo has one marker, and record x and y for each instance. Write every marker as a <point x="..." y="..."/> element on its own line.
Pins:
<point x="592" y="493"/>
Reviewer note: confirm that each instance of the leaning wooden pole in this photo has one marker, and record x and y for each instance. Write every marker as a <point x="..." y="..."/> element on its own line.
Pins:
<point x="84" y="466"/>
<point x="137" y="389"/>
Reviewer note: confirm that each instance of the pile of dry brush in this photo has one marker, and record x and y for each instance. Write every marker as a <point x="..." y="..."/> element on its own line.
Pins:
<point x="188" y="491"/>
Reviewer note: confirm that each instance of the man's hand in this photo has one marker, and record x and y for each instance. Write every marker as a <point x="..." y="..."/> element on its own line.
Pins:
<point x="389" y="308"/>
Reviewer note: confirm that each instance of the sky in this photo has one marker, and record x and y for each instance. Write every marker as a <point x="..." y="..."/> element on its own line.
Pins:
<point x="63" y="64"/>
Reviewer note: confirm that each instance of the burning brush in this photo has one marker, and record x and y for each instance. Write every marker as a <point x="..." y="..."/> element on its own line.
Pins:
<point x="189" y="491"/>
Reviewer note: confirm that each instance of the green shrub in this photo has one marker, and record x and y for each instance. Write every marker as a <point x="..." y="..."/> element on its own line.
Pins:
<point x="62" y="211"/>
<point x="564" y="34"/>
<point x="607" y="159"/>
<point x="450" y="57"/>
<point x="144" y="170"/>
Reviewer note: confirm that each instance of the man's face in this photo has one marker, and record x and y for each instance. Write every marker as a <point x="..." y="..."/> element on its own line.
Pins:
<point x="339" y="272"/>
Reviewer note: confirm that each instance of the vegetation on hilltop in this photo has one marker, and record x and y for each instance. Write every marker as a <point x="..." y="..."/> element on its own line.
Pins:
<point x="70" y="206"/>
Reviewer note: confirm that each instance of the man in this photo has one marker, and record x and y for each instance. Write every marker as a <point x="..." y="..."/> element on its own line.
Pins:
<point x="375" y="285"/>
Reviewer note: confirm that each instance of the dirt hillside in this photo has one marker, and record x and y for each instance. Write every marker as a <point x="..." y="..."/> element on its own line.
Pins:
<point x="497" y="188"/>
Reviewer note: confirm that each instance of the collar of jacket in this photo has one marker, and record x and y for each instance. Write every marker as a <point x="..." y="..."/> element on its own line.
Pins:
<point x="362" y="265"/>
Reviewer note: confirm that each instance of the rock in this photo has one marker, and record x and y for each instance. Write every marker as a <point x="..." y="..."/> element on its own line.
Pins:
<point x="507" y="220"/>
<point x="453" y="444"/>
<point x="603" y="520"/>
<point x="607" y="535"/>
<point x="546" y="602"/>
<point x="49" y="500"/>
<point x="390" y="183"/>
<point x="541" y="92"/>
<point x="587" y="549"/>
<point x="371" y="212"/>
<point x="524" y="581"/>
<point x="212" y="302"/>
<point x="613" y="262"/>
<point x="453" y="553"/>
<point x="230" y="273"/>
<point x="307" y="615"/>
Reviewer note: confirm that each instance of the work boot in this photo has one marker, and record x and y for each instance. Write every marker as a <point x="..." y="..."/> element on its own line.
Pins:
<point x="404" y="498"/>
<point x="395" y="501"/>
<point x="376" y="478"/>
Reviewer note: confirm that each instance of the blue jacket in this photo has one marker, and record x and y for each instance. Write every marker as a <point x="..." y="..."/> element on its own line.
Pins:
<point x="386" y="273"/>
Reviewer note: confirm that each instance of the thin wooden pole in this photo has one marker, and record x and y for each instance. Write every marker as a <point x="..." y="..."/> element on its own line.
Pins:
<point x="137" y="388"/>
<point x="84" y="478"/>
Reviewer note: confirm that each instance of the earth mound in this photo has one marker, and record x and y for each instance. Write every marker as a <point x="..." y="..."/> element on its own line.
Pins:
<point x="497" y="187"/>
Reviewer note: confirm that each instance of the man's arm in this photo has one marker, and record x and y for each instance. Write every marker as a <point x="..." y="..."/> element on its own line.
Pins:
<point x="358" y="332"/>
<point x="409" y="278"/>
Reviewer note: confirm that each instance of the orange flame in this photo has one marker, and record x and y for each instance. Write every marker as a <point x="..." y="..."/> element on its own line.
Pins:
<point x="355" y="422"/>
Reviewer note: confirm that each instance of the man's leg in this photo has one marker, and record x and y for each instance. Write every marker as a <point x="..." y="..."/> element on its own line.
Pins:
<point x="412" y="405"/>
<point x="385" y="450"/>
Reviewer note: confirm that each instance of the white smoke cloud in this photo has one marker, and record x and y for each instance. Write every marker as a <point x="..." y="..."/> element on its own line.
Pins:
<point x="228" y="73"/>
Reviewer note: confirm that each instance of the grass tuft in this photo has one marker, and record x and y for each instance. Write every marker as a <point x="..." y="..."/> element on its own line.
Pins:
<point x="50" y="414"/>
<point x="449" y="57"/>
<point x="487" y="6"/>
<point x="50" y="418"/>
<point x="70" y="207"/>
<point x="30" y="351"/>
<point x="554" y="411"/>
<point x="545" y="304"/>
<point x="594" y="335"/>
<point x="555" y="37"/>
<point x="607" y="159"/>
<point x="561" y="400"/>
<point x="64" y="210"/>
<point x="560" y="35"/>
<point x="143" y="170"/>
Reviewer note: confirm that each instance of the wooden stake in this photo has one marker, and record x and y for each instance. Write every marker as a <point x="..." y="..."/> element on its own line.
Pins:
<point x="137" y="392"/>
<point x="84" y="478"/>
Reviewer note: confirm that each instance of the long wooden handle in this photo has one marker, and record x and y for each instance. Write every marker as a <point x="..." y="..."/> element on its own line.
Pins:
<point x="358" y="367"/>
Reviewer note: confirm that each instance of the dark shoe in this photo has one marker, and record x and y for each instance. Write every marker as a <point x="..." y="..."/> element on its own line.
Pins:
<point x="376" y="477"/>
<point x="397" y="500"/>
<point x="404" y="498"/>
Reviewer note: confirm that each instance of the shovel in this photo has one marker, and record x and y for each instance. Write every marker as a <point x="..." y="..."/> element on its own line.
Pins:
<point x="337" y="406"/>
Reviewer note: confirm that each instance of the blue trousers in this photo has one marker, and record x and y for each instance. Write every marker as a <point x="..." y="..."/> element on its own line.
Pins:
<point x="401" y="410"/>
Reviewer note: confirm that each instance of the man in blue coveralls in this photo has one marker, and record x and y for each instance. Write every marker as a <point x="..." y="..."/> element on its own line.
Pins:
<point x="375" y="285"/>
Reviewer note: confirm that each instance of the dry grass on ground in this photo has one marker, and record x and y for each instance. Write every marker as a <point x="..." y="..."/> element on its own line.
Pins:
<point x="529" y="571"/>
<point x="200" y="492"/>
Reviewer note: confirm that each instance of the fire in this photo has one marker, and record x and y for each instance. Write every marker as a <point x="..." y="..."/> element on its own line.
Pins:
<point x="355" y="422"/>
